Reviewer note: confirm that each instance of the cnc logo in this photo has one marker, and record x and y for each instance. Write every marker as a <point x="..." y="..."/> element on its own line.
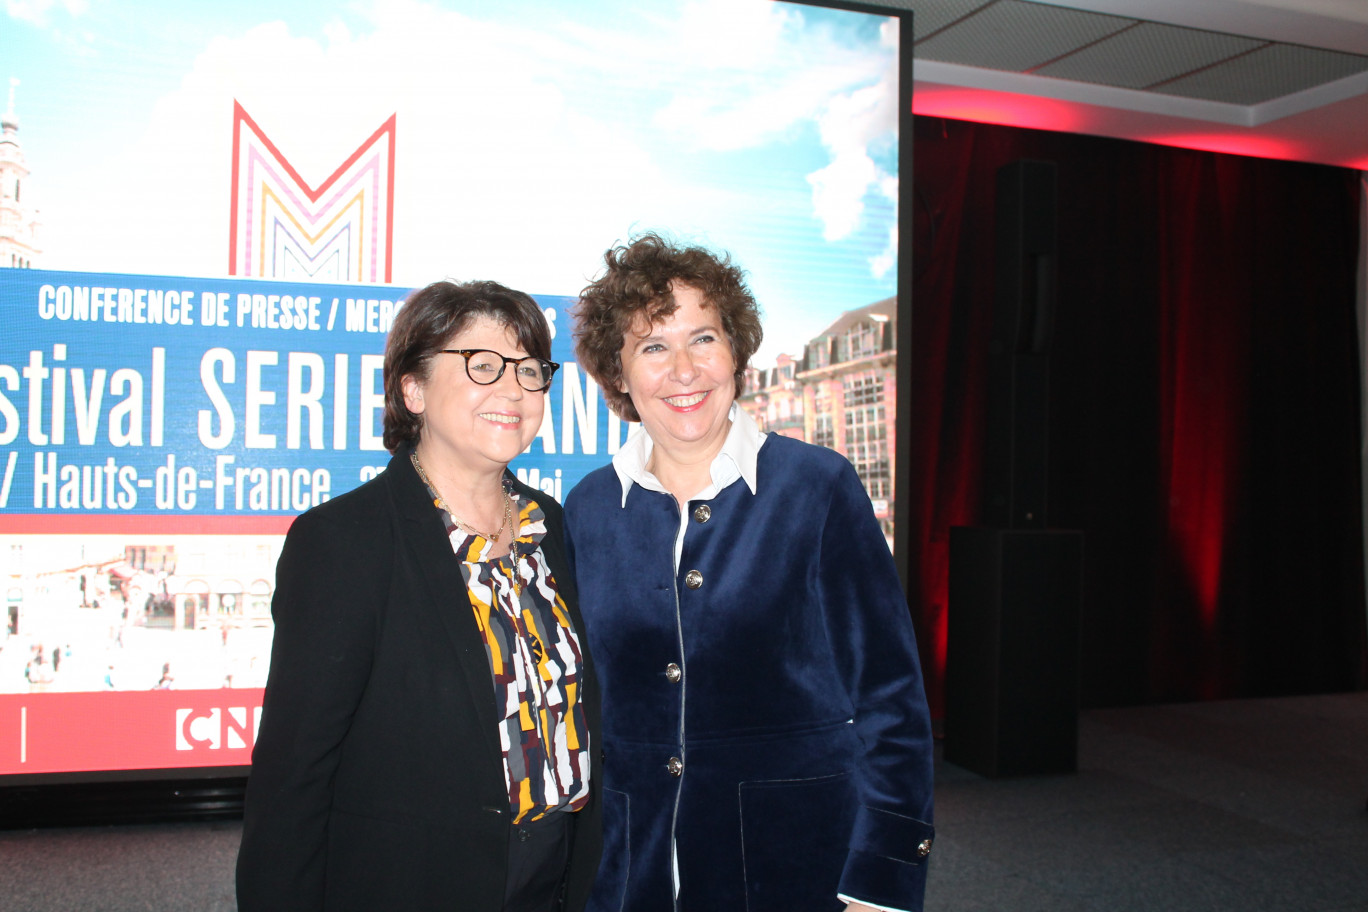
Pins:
<point x="218" y="728"/>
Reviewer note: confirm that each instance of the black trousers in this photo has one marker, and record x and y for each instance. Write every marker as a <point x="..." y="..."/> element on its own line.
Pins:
<point x="537" y="856"/>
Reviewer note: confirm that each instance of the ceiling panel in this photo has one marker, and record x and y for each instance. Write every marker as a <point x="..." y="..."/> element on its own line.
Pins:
<point x="1016" y="36"/>
<point x="1276" y="78"/>
<point x="930" y="16"/>
<point x="1147" y="54"/>
<point x="1273" y="72"/>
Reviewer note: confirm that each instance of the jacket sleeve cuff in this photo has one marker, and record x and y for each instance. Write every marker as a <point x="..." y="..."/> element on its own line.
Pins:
<point x="888" y="858"/>
<point x="850" y="899"/>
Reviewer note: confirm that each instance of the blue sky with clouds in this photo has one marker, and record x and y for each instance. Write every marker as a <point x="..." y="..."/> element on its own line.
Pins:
<point x="530" y="135"/>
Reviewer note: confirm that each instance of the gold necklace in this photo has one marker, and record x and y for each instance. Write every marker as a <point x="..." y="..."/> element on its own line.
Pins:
<point x="443" y="505"/>
<point x="513" y="555"/>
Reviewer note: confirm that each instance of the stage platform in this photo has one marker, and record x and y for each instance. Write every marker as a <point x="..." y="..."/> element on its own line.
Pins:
<point x="1244" y="805"/>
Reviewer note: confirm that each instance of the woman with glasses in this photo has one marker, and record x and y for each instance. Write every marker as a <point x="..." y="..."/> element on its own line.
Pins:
<point x="429" y="732"/>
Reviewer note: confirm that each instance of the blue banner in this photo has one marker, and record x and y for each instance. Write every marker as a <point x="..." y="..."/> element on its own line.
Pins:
<point x="178" y="396"/>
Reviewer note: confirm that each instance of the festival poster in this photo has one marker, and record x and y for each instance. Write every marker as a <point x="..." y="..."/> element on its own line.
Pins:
<point x="209" y="217"/>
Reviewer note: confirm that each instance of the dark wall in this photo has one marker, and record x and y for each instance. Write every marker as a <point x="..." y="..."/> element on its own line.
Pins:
<point x="1203" y="413"/>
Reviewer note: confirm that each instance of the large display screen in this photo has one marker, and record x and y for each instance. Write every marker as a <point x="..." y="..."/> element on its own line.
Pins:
<point x="209" y="218"/>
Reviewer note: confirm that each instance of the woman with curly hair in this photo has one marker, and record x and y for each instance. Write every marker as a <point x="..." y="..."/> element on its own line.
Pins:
<point x="766" y="738"/>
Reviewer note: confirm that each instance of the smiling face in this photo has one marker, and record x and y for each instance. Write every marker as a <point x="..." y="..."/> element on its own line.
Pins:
<point x="680" y="374"/>
<point x="468" y="427"/>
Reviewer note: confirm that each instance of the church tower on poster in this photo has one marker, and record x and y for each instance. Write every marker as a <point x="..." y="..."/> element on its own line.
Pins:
<point x="18" y="217"/>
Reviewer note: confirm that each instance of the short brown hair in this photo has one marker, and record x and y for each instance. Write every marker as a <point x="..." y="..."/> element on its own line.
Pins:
<point x="636" y="282"/>
<point x="428" y="320"/>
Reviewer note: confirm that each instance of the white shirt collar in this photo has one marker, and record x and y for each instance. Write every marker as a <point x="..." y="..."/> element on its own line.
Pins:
<point x="737" y="458"/>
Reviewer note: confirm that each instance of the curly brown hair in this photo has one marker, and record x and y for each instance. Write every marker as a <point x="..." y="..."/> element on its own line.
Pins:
<point x="638" y="282"/>
<point x="429" y="318"/>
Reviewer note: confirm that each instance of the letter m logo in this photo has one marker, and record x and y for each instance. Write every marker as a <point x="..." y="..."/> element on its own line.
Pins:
<point x="281" y="228"/>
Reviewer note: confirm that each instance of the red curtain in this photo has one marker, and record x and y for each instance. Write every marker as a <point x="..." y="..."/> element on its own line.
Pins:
<point x="1203" y="425"/>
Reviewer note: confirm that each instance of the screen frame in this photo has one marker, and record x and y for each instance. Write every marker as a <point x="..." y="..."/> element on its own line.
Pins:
<point x="90" y="797"/>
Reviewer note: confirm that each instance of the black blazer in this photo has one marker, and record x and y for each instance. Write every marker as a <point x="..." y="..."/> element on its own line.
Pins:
<point x="377" y="778"/>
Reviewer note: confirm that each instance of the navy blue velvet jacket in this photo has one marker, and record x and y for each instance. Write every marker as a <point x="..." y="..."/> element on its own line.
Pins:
<point x="786" y="684"/>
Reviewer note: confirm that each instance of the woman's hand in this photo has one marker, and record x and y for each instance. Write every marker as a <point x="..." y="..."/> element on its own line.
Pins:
<point x="859" y="907"/>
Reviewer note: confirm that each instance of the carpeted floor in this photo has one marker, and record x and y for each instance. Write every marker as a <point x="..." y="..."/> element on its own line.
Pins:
<point x="1243" y="805"/>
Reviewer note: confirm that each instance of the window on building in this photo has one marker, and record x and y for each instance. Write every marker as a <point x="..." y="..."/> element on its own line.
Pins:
<point x="754" y="382"/>
<point x="822" y="432"/>
<point x="863" y="389"/>
<point x="866" y="446"/>
<point x="821" y="353"/>
<point x="756" y="409"/>
<point x="862" y="340"/>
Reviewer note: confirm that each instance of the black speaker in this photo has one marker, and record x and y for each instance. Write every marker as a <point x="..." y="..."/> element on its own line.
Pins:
<point x="1016" y="441"/>
<point x="1012" y="650"/>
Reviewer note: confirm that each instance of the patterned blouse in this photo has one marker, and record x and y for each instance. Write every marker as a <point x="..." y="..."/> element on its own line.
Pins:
<point x="535" y="659"/>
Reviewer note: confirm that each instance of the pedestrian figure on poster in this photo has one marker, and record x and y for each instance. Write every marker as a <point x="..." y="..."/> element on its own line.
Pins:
<point x="39" y="673"/>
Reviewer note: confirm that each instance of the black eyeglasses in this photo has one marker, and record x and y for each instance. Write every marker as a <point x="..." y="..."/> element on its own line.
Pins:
<point x="486" y="367"/>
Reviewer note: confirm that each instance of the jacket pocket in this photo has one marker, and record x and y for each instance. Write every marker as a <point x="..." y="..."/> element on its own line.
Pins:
<point x="795" y="835"/>
<point x="610" y="889"/>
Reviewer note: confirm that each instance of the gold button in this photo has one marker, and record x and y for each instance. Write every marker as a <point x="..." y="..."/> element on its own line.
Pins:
<point x="702" y="513"/>
<point x="673" y="673"/>
<point x="675" y="766"/>
<point x="924" y="848"/>
<point x="693" y="579"/>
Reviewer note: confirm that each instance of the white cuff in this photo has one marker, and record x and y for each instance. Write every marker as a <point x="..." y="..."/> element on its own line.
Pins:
<point x="849" y="899"/>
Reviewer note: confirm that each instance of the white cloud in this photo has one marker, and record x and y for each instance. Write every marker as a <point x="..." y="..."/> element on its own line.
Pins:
<point x="37" y="12"/>
<point x="59" y="20"/>
<point x="810" y="76"/>
<point x="880" y="265"/>
<point x="521" y="152"/>
<point x="851" y="126"/>
<point x="749" y="70"/>
<point x="719" y="33"/>
<point x="497" y="175"/>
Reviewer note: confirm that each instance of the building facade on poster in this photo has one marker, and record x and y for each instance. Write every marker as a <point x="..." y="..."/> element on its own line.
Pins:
<point x="840" y="394"/>
<point x="18" y="217"/>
